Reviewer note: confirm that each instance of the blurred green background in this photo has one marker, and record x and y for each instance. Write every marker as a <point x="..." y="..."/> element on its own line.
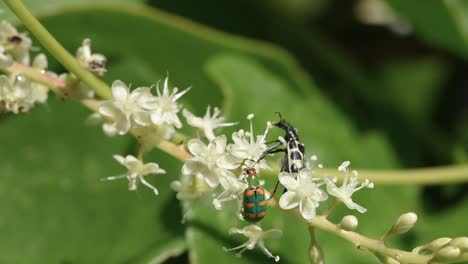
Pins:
<point x="380" y="83"/>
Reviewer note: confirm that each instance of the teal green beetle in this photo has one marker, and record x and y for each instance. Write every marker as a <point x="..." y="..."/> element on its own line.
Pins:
<point x="254" y="202"/>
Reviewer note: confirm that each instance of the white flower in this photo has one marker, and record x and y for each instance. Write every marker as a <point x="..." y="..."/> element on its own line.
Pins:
<point x="191" y="187"/>
<point x="124" y="110"/>
<point x="348" y="187"/>
<point x="18" y="95"/>
<point x="206" y="160"/>
<point x="14" y="43"/>
<point x="302" y="192"/>
<point x="40" y="91"/>
<point x="94" y="62"/>
<point x="256" y="236"/>
<point x="208" y="122"/>
<point x="246" y="148"/>
<point x="136" y="172"/>
<point x="233" y="189"/>
<point x="164" y="107"/>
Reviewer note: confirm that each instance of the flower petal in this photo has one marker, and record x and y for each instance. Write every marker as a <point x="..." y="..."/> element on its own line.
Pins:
<point x="227" y="161"/>
<point x="192" y="167"/>
<point x="211" y="178"/>
<point x="151" y="168"/>
<point x="289" y="200"/>
<point x="196" y="147"/>
<point x="120" y="91"/>
<point x="352" y="205"/>
<point x="141" y="118"/>
<point x="119" y="159"/>
<point x="220" y="144"/>
<point x="110" y="109"/>
<point x="287" y="180"/>
<point x="307" y="208"/>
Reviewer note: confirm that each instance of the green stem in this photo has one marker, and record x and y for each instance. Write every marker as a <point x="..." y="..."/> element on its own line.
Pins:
<point x="417" y="176"/>
<point x="57" y="50"/>
<point x="420" y="176"/>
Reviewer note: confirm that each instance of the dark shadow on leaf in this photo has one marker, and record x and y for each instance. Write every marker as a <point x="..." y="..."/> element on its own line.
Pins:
<point x="172" y="217"/>
<point x="437" y="199"/>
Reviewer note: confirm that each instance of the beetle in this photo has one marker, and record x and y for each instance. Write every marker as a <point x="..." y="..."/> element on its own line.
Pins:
<point x="293" y="148"/>
<point x="294" y="160"/>
<point x="254" y="199"/>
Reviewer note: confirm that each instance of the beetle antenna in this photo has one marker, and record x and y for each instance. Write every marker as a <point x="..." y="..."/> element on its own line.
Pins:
<point x="279" y="115"/>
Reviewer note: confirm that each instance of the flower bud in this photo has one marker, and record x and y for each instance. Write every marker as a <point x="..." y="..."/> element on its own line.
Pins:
<point x="349" y="223"/>
<point x="447" y="253"/>
<point x="460" y="242"/>
<point x="438" y="243"/>
<point x="404" y="223"/>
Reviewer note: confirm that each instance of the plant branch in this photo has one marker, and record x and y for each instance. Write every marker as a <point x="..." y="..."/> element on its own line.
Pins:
<point x="361" y="242"/>
<point x="57" y="50"/>
<point x="416" y="176"/>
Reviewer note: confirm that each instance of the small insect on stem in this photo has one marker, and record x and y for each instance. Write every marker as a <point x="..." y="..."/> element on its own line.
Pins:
<point x="254" y="200"/>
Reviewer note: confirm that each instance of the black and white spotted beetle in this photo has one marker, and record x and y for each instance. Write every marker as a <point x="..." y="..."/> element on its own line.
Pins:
<point x="294" y="160"/>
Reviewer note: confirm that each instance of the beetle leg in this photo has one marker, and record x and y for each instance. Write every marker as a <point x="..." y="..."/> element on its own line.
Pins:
<point x="270" y="150"/>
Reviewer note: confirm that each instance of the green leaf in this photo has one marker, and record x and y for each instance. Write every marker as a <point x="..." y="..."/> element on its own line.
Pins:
<point x="55" y="207"/>
<point x="418" y="78"/>
<point x="442" y="23"/>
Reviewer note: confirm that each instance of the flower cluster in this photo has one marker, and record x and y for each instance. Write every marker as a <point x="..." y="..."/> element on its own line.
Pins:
<point x="216" y="168"/>
<point x="140" y="108"/>
<point x="151" y="118"/>
<point x="217" y="162"/>
<point x="19" y="90"/>
<point x="19" y="94"/>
